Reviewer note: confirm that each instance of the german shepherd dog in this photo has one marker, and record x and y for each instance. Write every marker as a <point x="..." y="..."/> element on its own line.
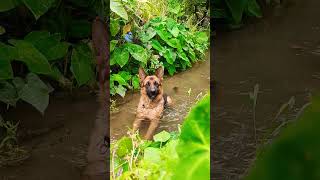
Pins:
<point x="152" y="101"/>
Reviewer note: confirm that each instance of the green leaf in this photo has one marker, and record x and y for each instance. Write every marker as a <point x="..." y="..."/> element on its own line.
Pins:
<point x="113" y="44"/>
<point x="5" y="69"/>
<point x="118" y="78"/>
<point x="183" y="56"/>
<point x="194" y="143"/>
<point x="8" y="93"/>
<point x="38" y="7"/>
<point x="254" y="9"/>
<point x="7" y="5"/>
<point x="48" y="45"/>
<point x="120" y="56"/>
<point x="156" y="45"/>
<point x="149" y="34"/>
<point x="2" y="30"/>
<point x="164" y="35"/>
<point x="34" y="92"/>
<point x="81" y="64"/>
<point x="8" y="52"/>
<point x="174" y="31"/>
<point x="117" y="7"/>
<point x="114" y="26"/>
<point x="163" y="136"/>
<point x="138" y="52"/>
<point x="152" y="155"/>
<point x="170" y="56"/>
<point x="237" y="8"/>
<point x="201" y="37"/>
<point x="34" y="59"/>
<point x="124" y="146"/>
<point x="171" y="70"/>
<point x="121" y="90"/>
<point x="125" y="75"/>
<point x="135" y="82"/>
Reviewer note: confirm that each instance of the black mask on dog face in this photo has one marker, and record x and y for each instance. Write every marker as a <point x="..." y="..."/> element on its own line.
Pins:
<point x="152" y="88"/>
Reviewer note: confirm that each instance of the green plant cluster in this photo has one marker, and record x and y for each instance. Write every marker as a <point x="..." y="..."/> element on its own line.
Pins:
<point x="234" y="11"/>
<point x="159" y="38"/>
<point x="48" y="45"/>
<point x="177" y="155"/>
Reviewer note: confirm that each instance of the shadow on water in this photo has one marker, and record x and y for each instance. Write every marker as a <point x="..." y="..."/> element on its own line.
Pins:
<point x="195" y="80"/>
<point x="280" y="53"/>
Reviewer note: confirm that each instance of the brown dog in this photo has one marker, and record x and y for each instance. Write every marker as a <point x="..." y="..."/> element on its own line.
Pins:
<point x="152" y="101"/>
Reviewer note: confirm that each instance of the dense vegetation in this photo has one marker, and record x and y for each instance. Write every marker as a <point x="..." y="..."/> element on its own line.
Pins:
<point x="152" y="34"/>
<point x="169" y="155"/>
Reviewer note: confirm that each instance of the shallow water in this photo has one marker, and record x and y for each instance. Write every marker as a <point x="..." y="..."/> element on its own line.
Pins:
<point x="280" y="53"/>
<point x="195" y="79"/>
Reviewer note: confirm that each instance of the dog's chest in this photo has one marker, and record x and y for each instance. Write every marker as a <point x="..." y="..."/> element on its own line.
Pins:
<point x="150" y="110"/>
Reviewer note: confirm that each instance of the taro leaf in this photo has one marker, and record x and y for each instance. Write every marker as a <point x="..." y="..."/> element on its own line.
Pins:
<point x="170" y="56"/>
<point x="121" y="90"/>
<point x="114" y="26"/>
<point x="164" y="35"/>
<point x="34" y="91"/>
<point x="175" y="43"/>
<point x="135" y="82"/>
<point x="119" y="56"/>
<point x="34" y="59"/>
<point x="117" y="7"/>
<point x="138" y="52"/>
<point x="171" y="70"/>
<point x="194" y="143"/>
<point x="113" y="44"/>
<point x="237" y="8"/>
<point x="49" y="45"/>
<point x="253" y="9"/>
<point x="156" y="45"/>
<point x="163" y="136"/>
<point x="8" y="52"/>
<point x="81" y="64"/>
<point x="183" y="56"/>
<point x="80" y="29"/>
<point x="118" y="78"/>
<point x="2" y="30"/>
<point x="201" y="37"/>
<point x="124" y="146"/>
<point x="174" y="31"/>
<point x="5" y="69"/>
<point x="38" y="7"/>
<point x="294" y="154"/>
<point x="6" y="5"/>
<point x="57" y="75"/>
<point x="8" y="93"/>
<point x="125" y="75"/>
<point x="192" y="55"/>
<point x="152" y="154"/>
<point x="149" y="34"/>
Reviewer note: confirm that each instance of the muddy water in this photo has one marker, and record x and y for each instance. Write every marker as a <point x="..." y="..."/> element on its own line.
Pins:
<point x="280" y="53"/>
<point x="195" y="80"/>
<point x="57" y="141"/>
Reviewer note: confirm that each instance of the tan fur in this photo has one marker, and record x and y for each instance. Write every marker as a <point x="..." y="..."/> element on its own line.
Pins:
<point x="148" y="109"/>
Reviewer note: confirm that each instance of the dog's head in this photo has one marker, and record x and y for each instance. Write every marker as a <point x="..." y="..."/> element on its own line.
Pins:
<point x="151" y="85"/>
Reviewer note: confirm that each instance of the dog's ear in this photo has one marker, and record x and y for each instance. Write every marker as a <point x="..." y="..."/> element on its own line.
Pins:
<point x="159" y="73"/>
<point x="142" y="74"/>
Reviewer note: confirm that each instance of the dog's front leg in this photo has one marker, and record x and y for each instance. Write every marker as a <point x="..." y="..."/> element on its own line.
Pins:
<point x="152" y="128"/>
<point x="136" y="124"/>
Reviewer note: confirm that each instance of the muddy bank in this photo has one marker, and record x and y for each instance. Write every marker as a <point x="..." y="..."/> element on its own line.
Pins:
<point x="195" y="80"/>
<point x="57" y="141"/>
<point x="281" y="54"/>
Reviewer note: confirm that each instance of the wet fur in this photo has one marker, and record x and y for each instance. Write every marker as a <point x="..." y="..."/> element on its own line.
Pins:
<point x="151" y="107"/>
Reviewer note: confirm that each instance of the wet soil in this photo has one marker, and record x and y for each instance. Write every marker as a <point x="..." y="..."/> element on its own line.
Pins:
<point x="281" y="53"/>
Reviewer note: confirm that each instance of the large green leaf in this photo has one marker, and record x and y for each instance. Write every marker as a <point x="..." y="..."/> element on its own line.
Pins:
<point x="6" y="5"/>
<point x="5" y="69"/>
<point x="254" y="9"/>
<point x="119" y="56"/>
<point x="170" y="56"/>
<point x="156" y="45"/>
<point x="8" y="93"/>
<point x="124" y="146"/>
<point x="194" y="144"/>
<point x="138" y="52"/>
<point x="33" y="91"/>
<point x="34" y="59"/>
<point x="152" y="154"/>
<point x="81" y="64"/>
<point x="117" y="7"/>
<point x="163" y="136"/>
<point x="114" y="26"/>
<point x="237" y="8"/>
<point x="294" y="155"/>
<point x="38" y="7"/>
<point x="48" y="45"/>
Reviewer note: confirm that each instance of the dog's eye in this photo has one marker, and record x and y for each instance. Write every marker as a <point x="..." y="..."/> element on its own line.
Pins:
<point x="155" y="83"/>
<point x="148" y="83"/>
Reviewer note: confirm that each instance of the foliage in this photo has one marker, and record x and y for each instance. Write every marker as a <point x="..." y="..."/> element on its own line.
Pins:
<point x="295" y="153"/>
<point x="234" y="11"/>
<point x="169" y="154"/>
<point x="50" y="46"/>
<point x="149" y="38"/>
